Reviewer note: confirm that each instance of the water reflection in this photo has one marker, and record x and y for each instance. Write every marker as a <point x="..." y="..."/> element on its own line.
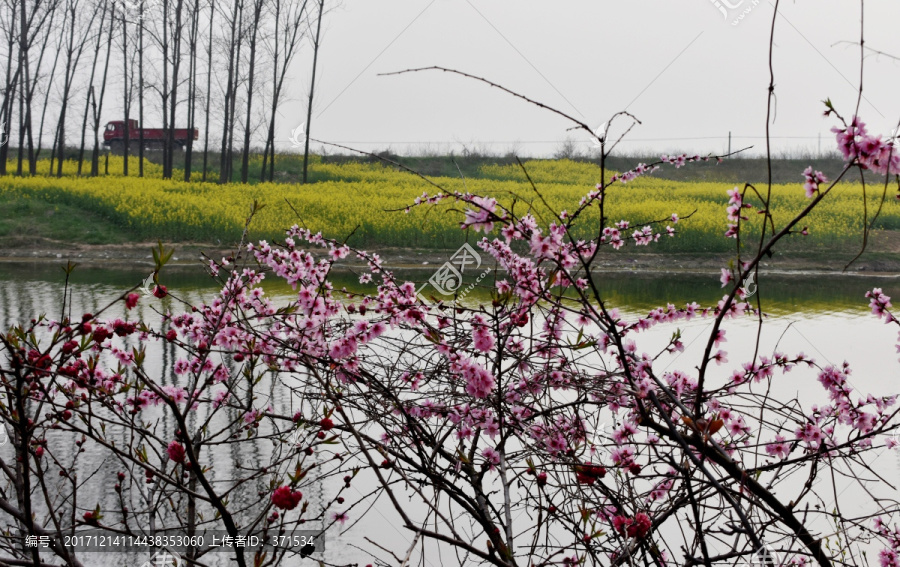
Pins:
<point x="825" y="316"/>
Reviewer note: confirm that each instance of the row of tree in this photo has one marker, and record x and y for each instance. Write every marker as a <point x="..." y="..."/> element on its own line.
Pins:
<point x="220" y="66"/>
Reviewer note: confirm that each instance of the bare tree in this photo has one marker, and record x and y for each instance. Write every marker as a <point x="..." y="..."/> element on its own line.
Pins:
<point x="286" y="40"/>
<point x="192" y="88"/>
<point x="97" y="104"/>
<point x="209" y="68"/>
<point x="73" y="50"/>
<point x="42" y="29"/>
<point x="126" y="95"/>
<point x="8" y="26"/>
<point x="228" y="122"/>
<point x="48" y="88"/>
<point x="236" y="24"/>
<point x="312" y="88"/>
<point x="177" y="34"/>
<point x="254" y="33"/>
<point x="140" y="90"/>
<point x="87" y="100"/>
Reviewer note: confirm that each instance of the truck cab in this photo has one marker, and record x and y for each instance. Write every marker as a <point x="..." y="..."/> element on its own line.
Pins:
<point x="115" y="130"/>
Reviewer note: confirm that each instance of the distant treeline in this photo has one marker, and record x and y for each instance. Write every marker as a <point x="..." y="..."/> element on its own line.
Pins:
<point x="219" y="66"/>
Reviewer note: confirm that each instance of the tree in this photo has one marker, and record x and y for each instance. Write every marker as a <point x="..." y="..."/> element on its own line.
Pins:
<point x="209" y="72"/>
<point x="177" y="35"/>
<point x="8" y="25"/>
<point x="90" y="91"/>
<point x="79" y="29"/>
<point x="235" y="22"/>
<point x="286" y="40"/>
<point x="192" y="87"/>
<point x="126" y="95"/>
<point x="312" y="88"/>
<point x="97" y="102"/>
<point x="257" y="7"/>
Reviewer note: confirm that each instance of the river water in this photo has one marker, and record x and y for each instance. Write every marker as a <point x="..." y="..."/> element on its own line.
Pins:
<point x="825" y="316"/>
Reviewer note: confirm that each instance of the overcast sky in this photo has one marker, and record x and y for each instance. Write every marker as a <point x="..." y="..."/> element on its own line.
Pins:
<point x="685" y="70"/>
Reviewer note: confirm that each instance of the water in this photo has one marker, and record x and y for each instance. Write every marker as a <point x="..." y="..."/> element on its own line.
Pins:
<point x="825" y="316"/>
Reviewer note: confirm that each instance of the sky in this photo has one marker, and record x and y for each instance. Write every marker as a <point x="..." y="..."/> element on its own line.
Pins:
<point x="689" y="71"/>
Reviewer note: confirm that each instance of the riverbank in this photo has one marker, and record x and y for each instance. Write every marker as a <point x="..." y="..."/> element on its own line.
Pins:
<point x="881" y="259"/>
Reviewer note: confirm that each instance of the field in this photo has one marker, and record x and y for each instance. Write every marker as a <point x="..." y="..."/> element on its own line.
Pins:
<point x="363" y="199"/>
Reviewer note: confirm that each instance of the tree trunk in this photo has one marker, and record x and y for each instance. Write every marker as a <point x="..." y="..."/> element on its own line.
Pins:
<point x="224" y="165"/>
<point x="173" y="98"/>
<point x="26" y="81"/>
<point x="87" y="99"/>
<point x="312" y="88"/>
<point x="141" y="88"/>
<point x="232" y="114"/>
<point x="292" y="36"/>
<point x="9" y="94"/>
<point x="192" y="90"/>
<point x="167" y="172"/>
<point x="47" y="101"/>
<point x="245" y="157"/>
<point x="212" y="13"/>
<point x="95" y="156"/>
<point x="126" y="98"/>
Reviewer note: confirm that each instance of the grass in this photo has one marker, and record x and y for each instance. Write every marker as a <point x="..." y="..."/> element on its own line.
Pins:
<point x="358" y="197"/>
<point x="25" y="221"/>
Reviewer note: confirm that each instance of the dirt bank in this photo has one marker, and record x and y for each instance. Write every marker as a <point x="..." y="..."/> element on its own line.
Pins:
<point x="191" y="254"/>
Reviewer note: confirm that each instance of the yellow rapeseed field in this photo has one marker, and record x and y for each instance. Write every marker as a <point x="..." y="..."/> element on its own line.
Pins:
<point x="365" y="198"/>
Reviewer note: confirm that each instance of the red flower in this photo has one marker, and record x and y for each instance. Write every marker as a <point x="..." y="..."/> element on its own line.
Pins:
<point x="326" y="424"/>
<point x="171" y="335"/>
<point x="122" y="328"/>
<point x="101" y="334"/>
<point x="285" y="498"/>
<point x="176" y="452"/>
<point x="160" y="291"/>
<point x="641" y="526"/>
<point x="589" y="473"/>
<point x="131" y="300"/>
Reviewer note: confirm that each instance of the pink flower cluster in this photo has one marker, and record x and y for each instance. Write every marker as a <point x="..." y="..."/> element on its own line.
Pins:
<point x="638" y="526"/>
<point x="641" y="169"/>
<point x="735" y="204"/>
<point x="880" y="303"/>
<point x="812" y="181"/>
<point x="480" y="218"/>
<point x="285" y="498"/>
<point x="871" y="152"/>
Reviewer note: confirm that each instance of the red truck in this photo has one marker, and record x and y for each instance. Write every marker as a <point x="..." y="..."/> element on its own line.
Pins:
<point x="154" y="138"/>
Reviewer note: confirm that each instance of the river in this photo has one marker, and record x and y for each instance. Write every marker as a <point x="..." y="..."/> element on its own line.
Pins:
<point x="826" y="316"/>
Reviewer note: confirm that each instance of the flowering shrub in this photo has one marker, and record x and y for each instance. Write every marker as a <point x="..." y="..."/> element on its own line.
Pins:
<point x="488" y="415"/>
<point x="482" y="425"/>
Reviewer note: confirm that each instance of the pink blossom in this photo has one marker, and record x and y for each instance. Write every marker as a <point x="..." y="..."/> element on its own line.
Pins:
<point x="285" y="498"/>
<point x="480" y="218"/>
<point x="176" y="452"/>
<point x="812" y="181"/>
<point x="491" y="456"/>
<point x="726" y="277"/>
